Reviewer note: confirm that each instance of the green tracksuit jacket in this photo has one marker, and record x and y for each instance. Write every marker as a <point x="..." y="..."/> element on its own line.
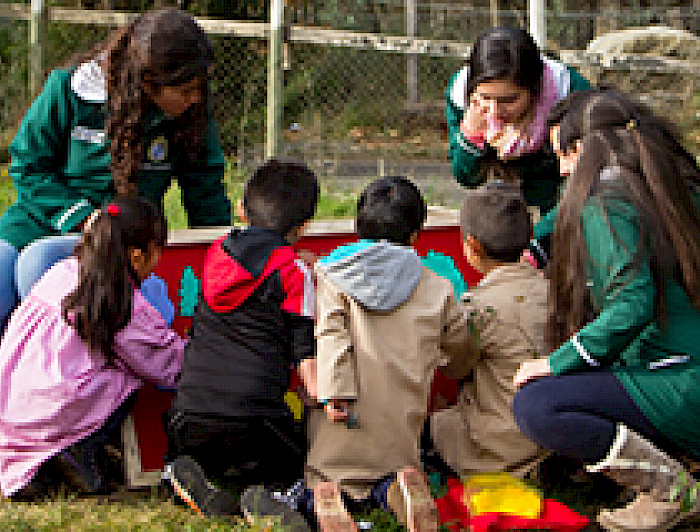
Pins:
<point x="60" y="162"/>
<point x="658" y="366"/>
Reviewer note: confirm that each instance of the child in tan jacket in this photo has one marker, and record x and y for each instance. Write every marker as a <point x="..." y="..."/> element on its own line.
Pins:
<point x="507" y="314"/>
<point x="384" y="324"/>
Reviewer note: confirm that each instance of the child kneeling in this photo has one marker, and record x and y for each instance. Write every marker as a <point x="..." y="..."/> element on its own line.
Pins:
<point x="508" y="313"/>
<point x="77" y="348"/>
<point x="385" y="323"/>
<point x="253" y="324"/>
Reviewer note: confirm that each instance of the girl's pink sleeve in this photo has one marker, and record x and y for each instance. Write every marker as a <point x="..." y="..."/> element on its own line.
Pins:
<point x="148" y="347"/>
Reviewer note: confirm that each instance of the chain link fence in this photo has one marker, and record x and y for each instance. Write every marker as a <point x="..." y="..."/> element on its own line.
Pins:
<point x="354" y="111"/>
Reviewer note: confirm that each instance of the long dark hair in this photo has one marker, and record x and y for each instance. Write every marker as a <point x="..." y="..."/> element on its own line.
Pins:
<point x="161" y="48"/>
<point x="505" y="54"/>
<point x="100" y="306"/>
<point x="655" y="175"/>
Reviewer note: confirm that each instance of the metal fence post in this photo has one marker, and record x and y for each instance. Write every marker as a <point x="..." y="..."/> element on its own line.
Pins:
<point x="538" y="23"/>
<point x="37" y="20"/>
<point x="411" y="59"/>
<point x="275" y="101"/>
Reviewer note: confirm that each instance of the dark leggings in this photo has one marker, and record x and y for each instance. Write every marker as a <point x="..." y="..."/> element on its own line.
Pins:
<point x="576" y="415"/>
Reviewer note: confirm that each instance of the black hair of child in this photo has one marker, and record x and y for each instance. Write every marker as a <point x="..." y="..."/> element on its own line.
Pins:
<point x="496" y="215"/>
<point x="281" y="195"/>
<point x="100" y="306"/>
<point x="391" y="208"/>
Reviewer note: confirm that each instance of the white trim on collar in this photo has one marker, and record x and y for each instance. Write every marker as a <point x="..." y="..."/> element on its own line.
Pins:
<point x="459" y="87"/>
<point x="89" y="83"/>
<point x="562" y="76"/>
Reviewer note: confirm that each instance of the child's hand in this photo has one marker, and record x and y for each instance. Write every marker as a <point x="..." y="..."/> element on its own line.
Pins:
<point x="307" y="372"/>
<point x="309" y="257"/>
<point x="532" y="369"/>
<point x="337" y="410"/>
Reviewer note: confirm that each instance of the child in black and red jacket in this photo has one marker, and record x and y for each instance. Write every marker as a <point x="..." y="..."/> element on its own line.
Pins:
<point x="253" y="324"/>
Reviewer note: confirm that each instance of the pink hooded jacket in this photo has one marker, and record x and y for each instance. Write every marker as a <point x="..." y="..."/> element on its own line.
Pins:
<point x="53" y="390"/>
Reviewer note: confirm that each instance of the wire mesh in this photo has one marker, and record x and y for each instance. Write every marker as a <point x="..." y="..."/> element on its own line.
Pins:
<point x="356" y="113"/>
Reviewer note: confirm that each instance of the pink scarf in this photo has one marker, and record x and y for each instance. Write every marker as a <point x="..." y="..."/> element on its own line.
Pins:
<point x="511" y="141"/>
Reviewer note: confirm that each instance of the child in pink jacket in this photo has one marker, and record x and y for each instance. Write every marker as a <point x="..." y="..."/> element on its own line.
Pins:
<point x="77" y="349"/>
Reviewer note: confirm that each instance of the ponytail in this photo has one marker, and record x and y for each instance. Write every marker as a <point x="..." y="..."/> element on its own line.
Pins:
<point x="101" y="304"/>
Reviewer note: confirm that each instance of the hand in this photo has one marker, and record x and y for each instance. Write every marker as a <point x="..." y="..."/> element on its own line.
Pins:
<point x="307" y="372"/>
<point x="532" y="369"/>
<point x="474" y="120"/>
<point x="506" y="139"/>
<point x="337" y="410"/>
<point x="309" y="257"/>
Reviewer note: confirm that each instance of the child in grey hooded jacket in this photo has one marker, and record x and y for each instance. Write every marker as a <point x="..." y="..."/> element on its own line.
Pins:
<point x="384" y="324"/>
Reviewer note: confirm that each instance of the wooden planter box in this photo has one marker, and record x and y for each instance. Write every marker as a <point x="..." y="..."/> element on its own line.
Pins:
<point x="144" y="439"/>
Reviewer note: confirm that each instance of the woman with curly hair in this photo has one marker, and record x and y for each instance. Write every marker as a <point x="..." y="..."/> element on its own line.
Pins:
<point x="619" y="389"/>
<point x="124" y="121"/>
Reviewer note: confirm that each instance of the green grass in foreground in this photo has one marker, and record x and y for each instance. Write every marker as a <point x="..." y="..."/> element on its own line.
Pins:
<point x="150" y="510"/>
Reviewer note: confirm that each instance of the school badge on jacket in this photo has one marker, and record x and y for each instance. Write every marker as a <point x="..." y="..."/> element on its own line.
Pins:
<point x="158" y="150"/>
<point x="157" y="154"/>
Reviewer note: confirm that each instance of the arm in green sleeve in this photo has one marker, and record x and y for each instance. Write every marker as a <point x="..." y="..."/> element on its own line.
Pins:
<point x="203" y="190"/>
<point x="39" y="150"/>
<point x="628" y="292"/>
<point x="464" y="156"/>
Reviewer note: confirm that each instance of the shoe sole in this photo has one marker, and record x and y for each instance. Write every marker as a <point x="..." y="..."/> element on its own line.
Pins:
<point x="601" y="519"/>
<point x="421" y="513"/>
<point x="260" y="509"/>
<point x="330" y="511"/>
<point x="180" y="491"/>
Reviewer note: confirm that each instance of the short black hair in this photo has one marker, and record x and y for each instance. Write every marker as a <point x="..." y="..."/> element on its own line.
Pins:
<point x="496" y="215"/>
<point x="280" y="195"/>
<point x="391" y="208"/>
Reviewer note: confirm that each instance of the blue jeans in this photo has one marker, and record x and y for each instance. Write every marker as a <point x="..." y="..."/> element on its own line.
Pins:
<point x="20" y="270"/>
<point x="39" y="256"/>
<point x="577" y="415"/>
<point x="8" y="284"/>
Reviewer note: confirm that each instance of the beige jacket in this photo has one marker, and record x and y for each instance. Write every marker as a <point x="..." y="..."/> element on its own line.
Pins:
<point x="384" y="361"/>
<point x="508" y="312"/>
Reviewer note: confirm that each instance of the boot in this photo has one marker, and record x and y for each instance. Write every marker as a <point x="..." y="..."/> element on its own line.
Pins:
<point x="661" y="483"/>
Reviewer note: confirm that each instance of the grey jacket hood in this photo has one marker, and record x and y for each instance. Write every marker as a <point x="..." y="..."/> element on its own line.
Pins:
<point x="379" y="275"/>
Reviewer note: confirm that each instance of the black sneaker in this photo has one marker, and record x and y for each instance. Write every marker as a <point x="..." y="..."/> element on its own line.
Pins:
<point x="191" y="485"/>
<point x="260" y="504"/>
<point x="79" y="465"/>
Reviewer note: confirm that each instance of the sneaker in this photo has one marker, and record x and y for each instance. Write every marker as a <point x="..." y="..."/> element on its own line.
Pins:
<point x="418" y="510"/>
<point x="330" y="511"/>
<point x="260" y="506"/>
<point x="35" y="490"/>
<point x="79" y="465"/>
<point x="190" y="484"/>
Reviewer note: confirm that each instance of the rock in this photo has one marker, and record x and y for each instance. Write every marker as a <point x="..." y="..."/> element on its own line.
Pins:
<point x="660" y="41"/>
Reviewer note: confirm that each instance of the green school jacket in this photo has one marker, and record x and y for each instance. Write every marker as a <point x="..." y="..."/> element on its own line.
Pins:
<point x="539" y="171"/>
<point x="60" y="164"/>
<point x="659" y="367"/>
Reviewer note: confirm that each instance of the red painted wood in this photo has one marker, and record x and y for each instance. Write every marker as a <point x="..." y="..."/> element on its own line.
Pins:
<point x="150" y="402"/>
